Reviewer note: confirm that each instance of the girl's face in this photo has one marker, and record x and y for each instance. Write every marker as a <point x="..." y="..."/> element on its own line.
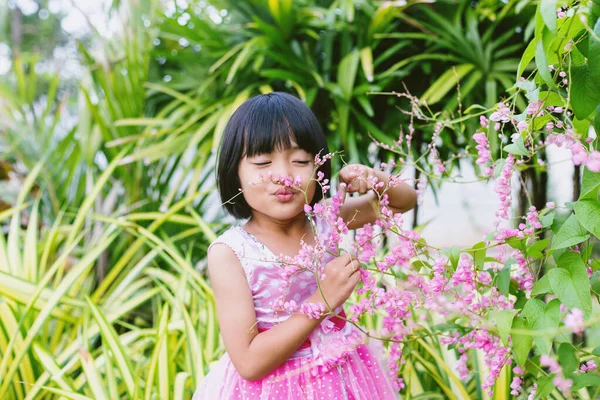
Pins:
<point x="269" y="198"/>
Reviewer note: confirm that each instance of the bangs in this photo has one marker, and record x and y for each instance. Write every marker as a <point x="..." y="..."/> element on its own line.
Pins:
<point x="274" y="125"/>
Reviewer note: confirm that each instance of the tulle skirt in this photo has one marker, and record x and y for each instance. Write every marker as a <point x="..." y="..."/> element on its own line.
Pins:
<point x="358" y="376"/>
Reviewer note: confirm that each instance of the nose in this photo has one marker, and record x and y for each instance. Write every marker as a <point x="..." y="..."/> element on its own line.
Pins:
<point x="280" y="171"/>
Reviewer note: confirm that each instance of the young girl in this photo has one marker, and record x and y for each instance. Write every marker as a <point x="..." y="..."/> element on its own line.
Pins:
<point x="273" y="354"/>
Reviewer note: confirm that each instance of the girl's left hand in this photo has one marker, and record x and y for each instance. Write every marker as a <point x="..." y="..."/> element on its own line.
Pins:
<point x="357" y="177"/>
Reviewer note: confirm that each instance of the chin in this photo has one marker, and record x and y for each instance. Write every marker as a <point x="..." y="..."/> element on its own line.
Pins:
<point x="282" y="213"/>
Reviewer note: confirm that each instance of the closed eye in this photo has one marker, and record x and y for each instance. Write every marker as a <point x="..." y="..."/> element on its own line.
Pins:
<point x="262" y="163"/>
<point x="302" y="162"/>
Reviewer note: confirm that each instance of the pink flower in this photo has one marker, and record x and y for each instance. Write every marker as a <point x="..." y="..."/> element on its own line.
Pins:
<point x="562" y="384"/>
<point x="535" y="108"/>
<point x="516" y="386"/>
<point x="518" y="370"/>
<point x="312" y="310"/>
<point x="503" y="114"/>
<point x="521" y="126"/>
<point x="547" y="361"/>
<point x="483" y="149"/>
<point x="593" y="161"/>
<point x="503" y="188"/>
<point x="574" y="320"/>
<point x="591" y="365"/>
<point x="533" y="392"/>
<point x="461" y="367"/>
<point x="533" y="218"/>
<point x="484" y="277"/>
<point x="464" y="274"/>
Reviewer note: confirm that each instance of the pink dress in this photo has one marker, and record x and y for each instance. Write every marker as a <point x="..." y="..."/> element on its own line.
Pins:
<point x="334" y="363"/>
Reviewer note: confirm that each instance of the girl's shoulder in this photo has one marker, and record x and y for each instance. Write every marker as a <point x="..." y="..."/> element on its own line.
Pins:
<point x="231" y="237"/>
<point x="244" y="245"/>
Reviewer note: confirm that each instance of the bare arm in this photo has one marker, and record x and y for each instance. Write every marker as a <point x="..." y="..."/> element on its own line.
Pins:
<point x="358" y="211"/>
<point x="253" y="354"/>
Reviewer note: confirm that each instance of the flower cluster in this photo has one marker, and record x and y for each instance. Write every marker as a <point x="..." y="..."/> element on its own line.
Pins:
<point x="313" y="310"/>
<point x="503" y="189"/>
<point x="483" y="150"/>
<point x="588" y="366"/>
<point x="563" y="384"/>
<point x="580" y="155"/>
<point x="515" y="385"/>
<point x="574" y="320"/>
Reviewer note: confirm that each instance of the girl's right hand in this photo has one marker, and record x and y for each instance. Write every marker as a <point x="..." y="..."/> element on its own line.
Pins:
<point x="341" y="277"/>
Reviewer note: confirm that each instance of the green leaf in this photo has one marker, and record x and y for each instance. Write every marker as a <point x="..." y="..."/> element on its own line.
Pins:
<point x="595" y="281"/>
<point x="445" y="83"/>
<point x="568" y="359"/>
<point x="584" y="380"/>
<point x="585" y="80"/>
<point x="585" y="90"/>
<point x="588" y="215"/>
<point x="548" y="11"/>
<point x="590" y="180"/>
<point x="597" y="125"/>
<point x="503" y="321"/>
<point x="545" y="387"/>
<point x="569" y="234"/>
<point x="366" y="60"/>
<point x="453" y="254"/>
<point x="347" y="73"/>
<point x="112" y="340"/>
<point x="518" y="147"/>
<point x="479" y="252"/>
<point x="527" y="57"/>
<point x="570" y="282"/>
<point x="541" y="62"/>
<point x="542" y="316"/>
<point x="535" y="250"/>
<point x="521" y="342"/>
<point x="504" y="278"/>
<point x="541" y="286"/>
<point x="516" y="243"/>
<point x="282" y="74"/>
<point x="547" y="219"/>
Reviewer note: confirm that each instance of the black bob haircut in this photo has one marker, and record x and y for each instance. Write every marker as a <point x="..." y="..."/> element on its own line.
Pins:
<point x="262" y="124"/>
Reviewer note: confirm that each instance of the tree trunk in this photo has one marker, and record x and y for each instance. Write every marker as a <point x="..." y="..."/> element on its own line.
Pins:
<point x="523" y="206"/>
<point x="416" y="209"/>
<point x="576" y="182"/>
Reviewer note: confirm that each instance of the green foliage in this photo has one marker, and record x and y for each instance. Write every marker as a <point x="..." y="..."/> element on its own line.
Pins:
<point x="570" y="282"/>
<point x="542" y="317"/>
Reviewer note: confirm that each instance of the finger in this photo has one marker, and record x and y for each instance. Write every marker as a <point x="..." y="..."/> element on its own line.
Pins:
<point x="344" y="192"/>
<point x="354" y="266"/>
<point x="364" y="186"/>
<point x="347" y="175"/>
<point x="355" y="278"/>
<point x="345" y="259"/>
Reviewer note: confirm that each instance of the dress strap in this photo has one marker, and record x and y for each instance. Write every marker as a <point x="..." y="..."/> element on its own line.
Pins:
<point x="237" y="243"/>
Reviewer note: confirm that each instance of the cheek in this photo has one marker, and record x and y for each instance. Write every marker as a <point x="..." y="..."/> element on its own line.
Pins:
<point x="247" y="176"/>
<point x="311" y="188"/>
